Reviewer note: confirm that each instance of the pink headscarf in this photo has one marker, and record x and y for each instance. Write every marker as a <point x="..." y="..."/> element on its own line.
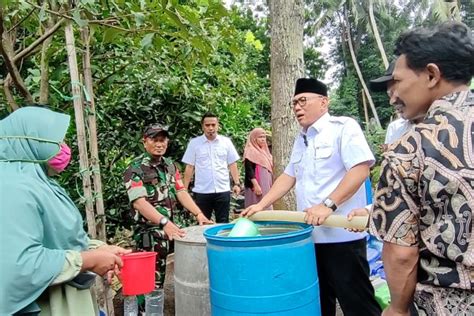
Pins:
<point x="256" y="154"/>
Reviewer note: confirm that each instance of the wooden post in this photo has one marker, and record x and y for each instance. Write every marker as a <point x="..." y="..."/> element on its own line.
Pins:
<point x="104" y="293"/>
<point x="80" y="128"/>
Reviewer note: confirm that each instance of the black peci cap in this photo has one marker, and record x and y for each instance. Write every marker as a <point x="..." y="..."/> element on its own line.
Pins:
<point x="310" y="85"/>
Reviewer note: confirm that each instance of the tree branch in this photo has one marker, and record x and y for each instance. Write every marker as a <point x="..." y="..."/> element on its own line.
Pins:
<point x="21" y="21"/>
<point x="44" y="66"/>
<point x="27" y="51"/>
<point x="6" y="50"/>
<point x="107" y="22"/>
<point x="110" y="75"/>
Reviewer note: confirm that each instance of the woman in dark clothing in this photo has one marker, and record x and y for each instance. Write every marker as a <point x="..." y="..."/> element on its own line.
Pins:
<point x="258" y="167"/>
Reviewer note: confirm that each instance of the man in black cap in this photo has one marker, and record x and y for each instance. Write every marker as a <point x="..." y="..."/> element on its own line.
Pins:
<point x="153" y="186"/>
<point x="400" y="126"/>
<point x="328" y="166"/>
<point x="383" y="82"/>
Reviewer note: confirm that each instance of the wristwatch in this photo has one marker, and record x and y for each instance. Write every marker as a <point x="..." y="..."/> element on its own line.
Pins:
<point x="163" y="221"/>
<point x="330" y="203"/>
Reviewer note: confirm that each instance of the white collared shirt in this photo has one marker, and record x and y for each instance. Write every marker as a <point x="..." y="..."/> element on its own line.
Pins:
<point x="211" y="160"/>
<point x="396" y="129"/>
<point x="335" y="145"/>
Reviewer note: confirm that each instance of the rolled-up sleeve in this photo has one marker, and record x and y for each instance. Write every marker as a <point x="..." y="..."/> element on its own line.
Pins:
<point x="134" y="185"/>
<point x="73" y="263"/>
<point x="71" y="268"/>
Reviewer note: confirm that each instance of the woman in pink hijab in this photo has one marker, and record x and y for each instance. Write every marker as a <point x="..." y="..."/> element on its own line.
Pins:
<point x="258" y="167"/>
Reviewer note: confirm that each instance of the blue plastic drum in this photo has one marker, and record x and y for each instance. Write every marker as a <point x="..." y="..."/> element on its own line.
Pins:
<point x="272" y="274"/>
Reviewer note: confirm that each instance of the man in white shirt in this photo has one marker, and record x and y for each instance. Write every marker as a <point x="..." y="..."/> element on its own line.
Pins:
<point x="211" y="156"/>
<point x="396" y="129"/>
<point x="329" y="163"/>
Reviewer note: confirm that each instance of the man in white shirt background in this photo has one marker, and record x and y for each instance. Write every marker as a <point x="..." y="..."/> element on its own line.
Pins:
<point x="210" y="157"/>
<point x="400" y="126"/>
<point x="329" y="163"/>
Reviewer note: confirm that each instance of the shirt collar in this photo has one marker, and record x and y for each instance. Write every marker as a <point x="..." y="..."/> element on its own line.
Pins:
<point x="318" y="125"/>
<point x="205" y="140"/>
<point x="456" y="99"/>
<point x="153" y="161"/>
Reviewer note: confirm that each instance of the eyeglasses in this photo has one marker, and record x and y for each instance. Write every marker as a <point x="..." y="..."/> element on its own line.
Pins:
<point x="303" y="100"/>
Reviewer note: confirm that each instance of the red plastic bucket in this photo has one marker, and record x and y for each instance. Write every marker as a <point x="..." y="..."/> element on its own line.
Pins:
<point x="138" y="273"/>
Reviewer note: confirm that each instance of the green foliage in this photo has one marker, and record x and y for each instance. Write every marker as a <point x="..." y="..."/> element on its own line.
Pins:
<point x="346" y="100"/>
<point x="160" y="61"/>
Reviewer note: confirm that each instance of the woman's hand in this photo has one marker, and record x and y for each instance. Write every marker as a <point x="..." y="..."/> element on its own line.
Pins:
<point x="100" y="261"/>
<point x="257" y="189"/>
<point x="203" y="220"/>
<point x="116" y="250"/>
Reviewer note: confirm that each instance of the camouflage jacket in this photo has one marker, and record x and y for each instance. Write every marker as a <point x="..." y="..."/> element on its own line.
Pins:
<point x="157" y="181"/>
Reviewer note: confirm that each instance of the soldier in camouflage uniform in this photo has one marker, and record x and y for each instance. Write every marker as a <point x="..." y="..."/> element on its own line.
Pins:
<point x="154" y="186"/>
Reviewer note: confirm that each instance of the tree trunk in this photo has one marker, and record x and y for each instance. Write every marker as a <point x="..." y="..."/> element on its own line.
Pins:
<point x="93" y="144"/>
<point x="104" y="292"/>
<point x="80" y="127"/>
<point x="287" y="65"/>
<point x="375" y="30"/>
<point x="44" y="66"/>
<point x="347" y="31"/>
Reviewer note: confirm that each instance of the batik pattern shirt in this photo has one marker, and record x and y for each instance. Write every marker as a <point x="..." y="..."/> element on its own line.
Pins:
<point x="425" y="195"/>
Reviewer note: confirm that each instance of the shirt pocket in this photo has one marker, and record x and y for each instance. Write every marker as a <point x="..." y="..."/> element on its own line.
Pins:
<point x="150" y="181"/>
<point x="221" y="153"/>
<point x="323" y="152"/>
<point x="323" y="162"/>
<point x="202" y="159"/>
<point x="220" y="158"/>
<point x="297" y="161"/>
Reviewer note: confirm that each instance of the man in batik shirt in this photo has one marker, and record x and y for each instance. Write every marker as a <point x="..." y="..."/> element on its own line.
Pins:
<point x="153" y="186"/>
<point x="425" y="197"/>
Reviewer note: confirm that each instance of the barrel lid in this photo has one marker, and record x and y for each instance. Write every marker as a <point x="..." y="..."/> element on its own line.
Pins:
<point x="195" y="234"/>
<point x="292" y="230"/>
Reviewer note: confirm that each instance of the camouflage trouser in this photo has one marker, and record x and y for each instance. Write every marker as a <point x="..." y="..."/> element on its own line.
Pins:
<point x="153" y="239"/>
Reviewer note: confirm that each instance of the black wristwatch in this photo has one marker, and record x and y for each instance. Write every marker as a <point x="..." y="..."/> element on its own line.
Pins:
<point x="163" y="221"/>
<point x="330" y="203"/>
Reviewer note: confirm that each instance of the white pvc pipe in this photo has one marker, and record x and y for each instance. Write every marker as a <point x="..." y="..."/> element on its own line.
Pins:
<point x="357" y="222"/>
